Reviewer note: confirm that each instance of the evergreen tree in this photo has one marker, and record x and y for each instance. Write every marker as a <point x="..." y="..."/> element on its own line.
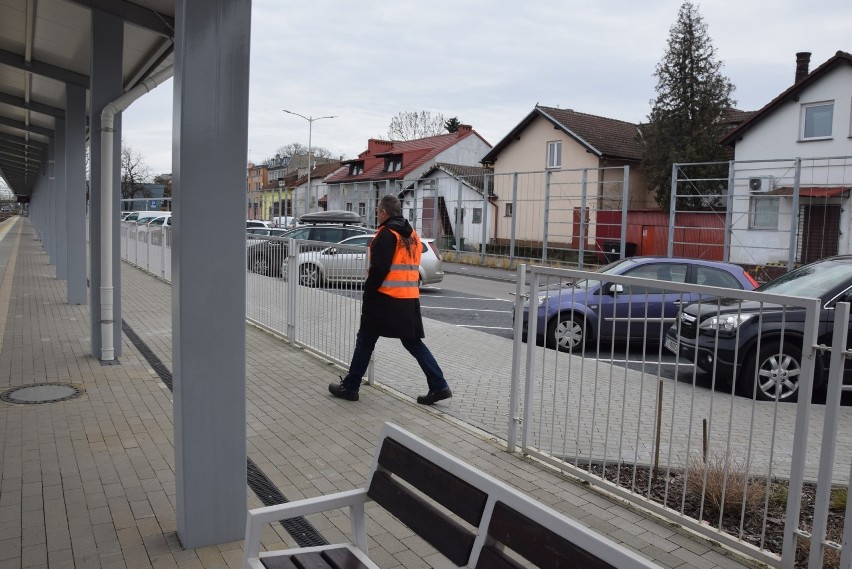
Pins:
<point x="686" y="121"/>
<point x="452" y="125"/>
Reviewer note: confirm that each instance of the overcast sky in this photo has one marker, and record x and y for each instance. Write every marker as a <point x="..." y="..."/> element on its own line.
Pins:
<point x="488" y="62"/>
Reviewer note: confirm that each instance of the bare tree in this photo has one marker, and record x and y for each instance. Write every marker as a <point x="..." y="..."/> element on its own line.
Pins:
<point x="298" y="149"/>
<point x="134" y="174"/>
<point x="411" y="125"/>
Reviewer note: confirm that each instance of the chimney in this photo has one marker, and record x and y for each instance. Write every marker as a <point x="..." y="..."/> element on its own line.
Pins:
<point x="465" y="128"/>
<point x="803" y="62"/>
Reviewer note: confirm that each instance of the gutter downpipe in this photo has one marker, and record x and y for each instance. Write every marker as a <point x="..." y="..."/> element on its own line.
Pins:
<point x="107" y="219"/>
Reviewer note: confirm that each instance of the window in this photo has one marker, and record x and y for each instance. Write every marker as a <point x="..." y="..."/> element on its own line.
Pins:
<point x="356" y="168"/>
<point x="477" y="215"/>
<point x="712" y="276"/>
<point x="816" y="120"/>
<point x="669" y="272"/>
<point x="362" y="209"/>
<point x="348" y="206"/>
<point x="763" y="212"/>
<point x="508" y="210"/>
<point x="393" y="164"/>
<point x="554" y="154"/>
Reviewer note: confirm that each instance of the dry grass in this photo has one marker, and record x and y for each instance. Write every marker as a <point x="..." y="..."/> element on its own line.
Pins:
<point x="727" y="487"/>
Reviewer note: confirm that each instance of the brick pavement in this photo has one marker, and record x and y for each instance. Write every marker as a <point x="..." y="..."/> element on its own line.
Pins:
<point x="89" y="482"/>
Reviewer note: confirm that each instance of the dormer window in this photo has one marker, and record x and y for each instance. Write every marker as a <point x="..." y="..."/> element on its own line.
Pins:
<point x="393" y="164"/>
<point x="356" y="168"/>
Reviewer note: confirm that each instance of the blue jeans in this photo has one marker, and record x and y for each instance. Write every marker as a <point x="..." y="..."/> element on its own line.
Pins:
<point x="365" y="343"/>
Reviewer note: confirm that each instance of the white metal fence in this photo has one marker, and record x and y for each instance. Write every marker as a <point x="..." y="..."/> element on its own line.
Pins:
<point x="696" y="447"/>
<point x="642" y="423"/>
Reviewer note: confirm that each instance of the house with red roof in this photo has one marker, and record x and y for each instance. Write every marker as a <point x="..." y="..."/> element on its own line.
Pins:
<point x="790" y="197"/>
<point x="393" y="166"/>
<point x="567" y="163"/>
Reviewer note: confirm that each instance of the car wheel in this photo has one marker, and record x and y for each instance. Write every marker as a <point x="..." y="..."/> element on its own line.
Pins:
<point x="309" y="275"/>
<point x="259" y="265"/>
<point x="779" y="371"/>
<point x="566" y="332"/>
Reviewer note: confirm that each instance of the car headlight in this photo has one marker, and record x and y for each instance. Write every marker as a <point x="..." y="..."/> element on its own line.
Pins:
<point x="725" y="324"/>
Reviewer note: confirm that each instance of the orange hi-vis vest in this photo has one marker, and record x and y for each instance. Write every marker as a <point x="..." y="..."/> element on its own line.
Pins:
<point x="402" y="280"/>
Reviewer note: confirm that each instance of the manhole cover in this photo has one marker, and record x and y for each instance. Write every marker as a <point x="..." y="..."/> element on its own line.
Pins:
<point x="40" y="393"/>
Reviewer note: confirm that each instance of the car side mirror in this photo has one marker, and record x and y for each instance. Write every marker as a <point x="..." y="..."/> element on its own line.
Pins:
<point x="331" y="251"/>
<point x="615" y="288"/>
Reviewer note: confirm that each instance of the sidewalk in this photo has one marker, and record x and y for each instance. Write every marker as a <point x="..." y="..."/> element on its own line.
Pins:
<point x="89" y="482"/>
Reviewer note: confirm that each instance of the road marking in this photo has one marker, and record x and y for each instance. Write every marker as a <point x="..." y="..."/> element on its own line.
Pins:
<point x="467" y="309"/>
<point x="470" y="298"/>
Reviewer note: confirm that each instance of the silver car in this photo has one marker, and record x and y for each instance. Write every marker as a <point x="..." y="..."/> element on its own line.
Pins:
<point x="346" y="262"/>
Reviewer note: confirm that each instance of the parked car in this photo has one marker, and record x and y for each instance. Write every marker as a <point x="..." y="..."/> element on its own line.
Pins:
<point x="267" y="257"/>
<point x="760" y="344"/>
<point x="256" y="223"/>
<point x="255" y="235"/>
<point x="346" y="262"/>
<point x="573" y="314"/>
<point x="136" y="216"/>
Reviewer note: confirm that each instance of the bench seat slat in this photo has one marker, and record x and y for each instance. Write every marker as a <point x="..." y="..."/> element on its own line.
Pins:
<point x="460" y="497"/>
<point x="444" y="534"/>
<point x="537" y="543"/>
<point x="335" y="558"/>
<point x="491" y="558"/>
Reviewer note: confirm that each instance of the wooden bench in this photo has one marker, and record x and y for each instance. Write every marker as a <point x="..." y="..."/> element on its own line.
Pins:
<point x="470" y="517"/>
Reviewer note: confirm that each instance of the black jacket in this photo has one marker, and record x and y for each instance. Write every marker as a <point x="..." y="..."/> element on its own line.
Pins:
<point x="381" y="314"/>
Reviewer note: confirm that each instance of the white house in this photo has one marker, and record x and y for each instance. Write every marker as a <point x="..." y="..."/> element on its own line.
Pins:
<point x="793" y="170"/>
<point x="391" y="166"/>
<point x="454" y="203"/>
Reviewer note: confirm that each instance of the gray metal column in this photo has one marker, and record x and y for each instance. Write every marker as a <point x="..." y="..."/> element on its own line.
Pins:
<point x="208" y="298"/>
<point x="60" y="189"/>
<point x="107" y="32"/>
<point x="75" y="188"/>
<point x="50" y="240"/>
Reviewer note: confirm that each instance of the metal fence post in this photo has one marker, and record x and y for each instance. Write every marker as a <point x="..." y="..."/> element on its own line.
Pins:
<point x="514" y="217"/>
<point x="514" y="419"/>
<point x="583" y="205"/>
<point x="834" y="392"/>
<point x="794" y="216"/>
<point x="800" y="434"/>
<point x="459" y="228"/>
<point x="625" y="198"/>
<point x="729" y="214"/>
<point x="546" y="216"/>
<point x="484" y="220"/>
<point x="672" y="211"/>
<point x="292" y="288"/>
<point x="532" y="330"/>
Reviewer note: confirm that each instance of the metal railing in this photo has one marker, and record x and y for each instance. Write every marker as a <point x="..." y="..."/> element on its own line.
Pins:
<point x="628" y="415"/>
<point x="699" y="448"/>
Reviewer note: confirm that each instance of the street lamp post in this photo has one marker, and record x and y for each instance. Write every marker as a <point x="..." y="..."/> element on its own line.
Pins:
<point x="310" y="129"/>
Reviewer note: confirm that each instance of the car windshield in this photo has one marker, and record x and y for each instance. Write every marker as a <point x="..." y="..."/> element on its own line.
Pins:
<point x="811" y="281"/>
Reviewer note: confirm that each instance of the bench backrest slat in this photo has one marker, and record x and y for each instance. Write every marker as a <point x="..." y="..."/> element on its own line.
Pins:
<point x="492" y="558"/>
<point x="444" y="534"/>
<point x="536" y="543"/>
<point x="462" y="498"/>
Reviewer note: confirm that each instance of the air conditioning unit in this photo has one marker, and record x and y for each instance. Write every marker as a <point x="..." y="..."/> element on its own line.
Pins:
<point x="761" y="184"/>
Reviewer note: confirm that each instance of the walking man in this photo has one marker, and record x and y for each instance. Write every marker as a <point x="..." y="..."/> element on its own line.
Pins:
<point x="391" y="305"/>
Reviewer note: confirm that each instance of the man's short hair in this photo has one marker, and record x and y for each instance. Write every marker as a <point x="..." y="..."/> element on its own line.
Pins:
<point x="391" y="205"/>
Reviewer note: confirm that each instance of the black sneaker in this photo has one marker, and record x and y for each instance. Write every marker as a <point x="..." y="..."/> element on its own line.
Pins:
<point x="338" y="390"/>
<point x="433" y="396"/>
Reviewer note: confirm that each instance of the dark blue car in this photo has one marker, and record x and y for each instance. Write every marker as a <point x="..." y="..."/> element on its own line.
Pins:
<point x="573" y="315"/>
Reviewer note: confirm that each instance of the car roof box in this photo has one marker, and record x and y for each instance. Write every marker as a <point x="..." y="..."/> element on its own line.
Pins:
<point x="345" y="217"/>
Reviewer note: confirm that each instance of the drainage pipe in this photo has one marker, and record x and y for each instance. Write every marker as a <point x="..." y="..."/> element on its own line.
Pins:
<point x="107" y="218"/>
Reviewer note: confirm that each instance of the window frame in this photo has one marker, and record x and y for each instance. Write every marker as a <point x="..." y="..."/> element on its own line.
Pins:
<point x="509" y="210"/>
<point x="803" y="127"/>
<point x="553" y="159"/>
<point x="753" y="213"/>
